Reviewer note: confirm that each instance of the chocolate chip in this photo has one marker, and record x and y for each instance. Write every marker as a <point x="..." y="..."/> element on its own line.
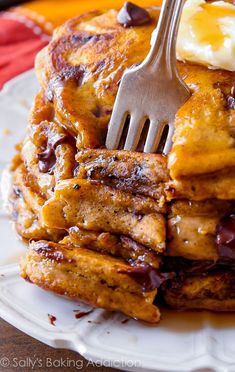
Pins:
<point x="231" y="99"/>
<point x="96" y="112"/>
<point x="81" y="38"/>
<point x="17" y="192"/>
<point x="230" y="102"/>
<point x="113" y="158"/>
<point x="228" y="92"/>
<point x="225" y="236"/>
<point x="133" y="15"/>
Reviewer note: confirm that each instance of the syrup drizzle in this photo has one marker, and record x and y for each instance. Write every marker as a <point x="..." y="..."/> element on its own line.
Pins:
<point x="206" y="24"/>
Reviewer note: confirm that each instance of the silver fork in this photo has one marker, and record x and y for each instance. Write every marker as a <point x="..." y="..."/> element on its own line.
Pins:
<point x="152" y="91"/>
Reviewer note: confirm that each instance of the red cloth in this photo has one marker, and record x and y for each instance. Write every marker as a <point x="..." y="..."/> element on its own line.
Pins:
<point x="20" y="40"/>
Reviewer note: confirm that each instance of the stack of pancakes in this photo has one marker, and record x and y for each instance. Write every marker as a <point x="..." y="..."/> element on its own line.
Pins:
<point x="123" y="230"/>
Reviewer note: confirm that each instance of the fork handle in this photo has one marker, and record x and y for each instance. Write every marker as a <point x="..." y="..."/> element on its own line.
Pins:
<point x="163" y="48"/>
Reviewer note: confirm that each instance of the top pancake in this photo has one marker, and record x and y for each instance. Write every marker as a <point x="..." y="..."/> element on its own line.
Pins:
<point x="82" y="66"/>
<point x="80" y="71"/>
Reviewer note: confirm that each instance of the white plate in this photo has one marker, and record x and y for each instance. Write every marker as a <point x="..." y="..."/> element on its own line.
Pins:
<point x="189" y="341"/>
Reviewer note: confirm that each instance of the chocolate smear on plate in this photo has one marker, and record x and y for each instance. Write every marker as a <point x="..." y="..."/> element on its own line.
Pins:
<point x="51" y="319"/>
<point x="80" y="314"/>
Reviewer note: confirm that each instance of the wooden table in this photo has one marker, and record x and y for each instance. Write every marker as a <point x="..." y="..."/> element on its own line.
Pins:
<point x="20" y="351"/>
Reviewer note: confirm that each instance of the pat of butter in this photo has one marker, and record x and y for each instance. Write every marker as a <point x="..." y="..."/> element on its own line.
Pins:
<point x="207" y="34"/>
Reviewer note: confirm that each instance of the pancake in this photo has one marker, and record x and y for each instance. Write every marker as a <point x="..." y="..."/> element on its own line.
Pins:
<point x="214" y="292"/>
<point x="119" y="246"/>
<point x="192" y="228"/>
<point x="146" y="174"/>
<point x="82" y="66"/>
<point x="97" y="207"/>
<point x="116" y="228"/>
<point x="94" y="278"/>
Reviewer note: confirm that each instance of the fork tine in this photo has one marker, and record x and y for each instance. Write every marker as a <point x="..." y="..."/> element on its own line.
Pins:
<point x="154" y="136"/>
<point x="168" y="143"/>
<point x="134" y="132"/>
<point x="115" y="128"/>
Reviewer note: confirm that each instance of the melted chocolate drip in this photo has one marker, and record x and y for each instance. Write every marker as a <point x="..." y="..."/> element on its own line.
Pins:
<point x="47" y="158"/>
<point x="148" y="277"/>
<point x="225" y="237"/>
<point x="133" y="15"/>
<point x="185" y="268"/>
<point x="200" y="268"/>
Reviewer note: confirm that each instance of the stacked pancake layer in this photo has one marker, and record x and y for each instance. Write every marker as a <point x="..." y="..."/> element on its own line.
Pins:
<point x="115" y="229"/>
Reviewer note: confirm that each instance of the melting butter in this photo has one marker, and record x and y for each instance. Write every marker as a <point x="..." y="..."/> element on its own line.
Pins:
<point x="207" y="27"/>
<point x="207" y="34"/>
